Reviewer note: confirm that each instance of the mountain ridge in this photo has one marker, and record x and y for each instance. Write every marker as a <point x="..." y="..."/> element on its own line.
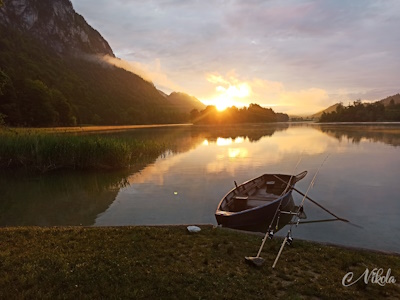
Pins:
<point x="184" y="102"/>
<point x="46" y="78"/>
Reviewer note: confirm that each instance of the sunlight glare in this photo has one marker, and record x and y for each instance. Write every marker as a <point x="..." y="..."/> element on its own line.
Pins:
<point x="224" y="142"/>
<point x="237" y="153"/>
<point x="239" y="140"/>
<point x="228" y="95"/>
<point x="223" y="103"/>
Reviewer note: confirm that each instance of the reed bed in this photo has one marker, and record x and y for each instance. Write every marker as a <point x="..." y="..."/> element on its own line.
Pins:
<point x="49" y="151"/>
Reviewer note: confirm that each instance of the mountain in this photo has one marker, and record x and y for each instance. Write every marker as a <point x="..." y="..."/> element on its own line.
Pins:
<point x="55" y="24"/>
<point x="326" y="110"/>
<point x="387" y="100"/>
<point x="184" y="102"/>
<point x="52" y="72"/>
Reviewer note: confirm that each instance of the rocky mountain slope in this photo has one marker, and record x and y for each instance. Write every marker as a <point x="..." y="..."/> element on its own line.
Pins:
<point x="50" y="73"/>
<point x="54" y="23"/>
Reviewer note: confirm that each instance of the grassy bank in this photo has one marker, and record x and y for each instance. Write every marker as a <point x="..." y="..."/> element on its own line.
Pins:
<point x="43" y="151"/>
<point x="170" y="263"/>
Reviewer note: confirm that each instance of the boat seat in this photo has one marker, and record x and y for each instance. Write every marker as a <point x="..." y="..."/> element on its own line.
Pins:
<point x="239" y="203"/>
<point x="258" y="198"/>
<point x="251" y="189"/>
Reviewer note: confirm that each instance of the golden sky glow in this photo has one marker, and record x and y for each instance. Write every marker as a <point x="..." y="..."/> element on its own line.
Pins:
<point x="277" y="54"/>
<point x="228" y="92"/>
<point x="232" y="90"/>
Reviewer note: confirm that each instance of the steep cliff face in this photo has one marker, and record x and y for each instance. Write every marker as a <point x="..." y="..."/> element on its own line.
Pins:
<point x="56" y="24"/>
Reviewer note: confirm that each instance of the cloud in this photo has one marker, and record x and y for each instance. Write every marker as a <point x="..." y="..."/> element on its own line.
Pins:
<point x="301" y="47"/>
<point x="152" y="72"/>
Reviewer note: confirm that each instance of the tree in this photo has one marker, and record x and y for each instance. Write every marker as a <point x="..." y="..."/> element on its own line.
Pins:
<point x="2" y="121"/>
<point x="194" y="115"/>
<point x="4" y="79"/>
<point x="37" y="109"/>
<point x="63" y="109"/>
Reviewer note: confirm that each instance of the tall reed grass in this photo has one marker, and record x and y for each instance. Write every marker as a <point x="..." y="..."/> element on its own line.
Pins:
<point x="47" y="151"/>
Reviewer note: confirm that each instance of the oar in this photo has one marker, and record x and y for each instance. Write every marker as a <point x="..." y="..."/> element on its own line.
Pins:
<point x="320" y="206"/>
<point x="314" y="221"/>
<point x="316" y="203"/>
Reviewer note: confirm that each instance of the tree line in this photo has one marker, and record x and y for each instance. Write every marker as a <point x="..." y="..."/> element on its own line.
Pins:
<point x="233" y="115"/>
<point x="364" y="112"/>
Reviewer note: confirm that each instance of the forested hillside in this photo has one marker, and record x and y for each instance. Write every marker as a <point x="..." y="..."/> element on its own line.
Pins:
<point x="48" y="83"/>
<point x="364" y="112"/>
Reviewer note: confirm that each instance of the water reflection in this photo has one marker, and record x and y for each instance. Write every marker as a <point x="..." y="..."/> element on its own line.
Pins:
<point x="57" y="199"/>
<point x="185" y="188"/>
<point x="237" y="133"/>
<point x="358" y="182"/>
<point x="385" y="133"/>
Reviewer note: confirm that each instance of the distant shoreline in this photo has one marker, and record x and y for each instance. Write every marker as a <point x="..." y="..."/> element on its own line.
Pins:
<point x="94" y="128"/>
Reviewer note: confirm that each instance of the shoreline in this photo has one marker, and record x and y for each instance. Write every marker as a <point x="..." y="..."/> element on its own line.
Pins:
<point x="353" y="248"/>
<point x="101" y="128"/>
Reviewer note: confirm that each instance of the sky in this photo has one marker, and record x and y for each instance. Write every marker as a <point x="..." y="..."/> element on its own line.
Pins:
<point x="297" y="57"/>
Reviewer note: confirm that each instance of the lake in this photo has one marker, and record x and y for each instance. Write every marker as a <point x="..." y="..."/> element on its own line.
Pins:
<point x="359" y="181"/>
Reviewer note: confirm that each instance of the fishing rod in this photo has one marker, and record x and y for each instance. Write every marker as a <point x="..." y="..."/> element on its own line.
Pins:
<point x="288" y="239"/>
<point x="320" y="206"/>
<point x="258" y="261"/>
<point x="288" y="184"/>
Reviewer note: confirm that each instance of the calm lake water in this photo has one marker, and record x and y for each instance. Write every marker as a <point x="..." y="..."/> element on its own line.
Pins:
<point x="359" y="181"/>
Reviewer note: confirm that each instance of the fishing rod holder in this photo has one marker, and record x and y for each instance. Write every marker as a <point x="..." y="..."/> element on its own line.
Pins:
<point x="289" y="240"/>
<point x="288" y="213"/>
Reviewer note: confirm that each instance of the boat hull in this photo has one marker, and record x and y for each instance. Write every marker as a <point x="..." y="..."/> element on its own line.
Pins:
<point x="256" y="202"/>
<point x="259" y="218"/>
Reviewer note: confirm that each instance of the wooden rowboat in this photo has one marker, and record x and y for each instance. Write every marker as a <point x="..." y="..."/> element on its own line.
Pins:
<point x="254" y="203"/>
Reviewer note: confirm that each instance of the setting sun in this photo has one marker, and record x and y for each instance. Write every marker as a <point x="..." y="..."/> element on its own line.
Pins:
<point x="228" y="95"/>
<point x="222" y="104"/>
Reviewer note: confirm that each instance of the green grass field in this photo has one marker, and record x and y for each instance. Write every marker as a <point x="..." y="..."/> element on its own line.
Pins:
<point x="171" y="263"/>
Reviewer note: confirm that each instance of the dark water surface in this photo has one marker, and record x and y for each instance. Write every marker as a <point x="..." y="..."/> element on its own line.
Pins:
<point x="359" y="181"/>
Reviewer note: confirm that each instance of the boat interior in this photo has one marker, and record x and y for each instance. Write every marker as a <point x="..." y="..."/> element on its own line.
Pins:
<point x="256" y="192"/>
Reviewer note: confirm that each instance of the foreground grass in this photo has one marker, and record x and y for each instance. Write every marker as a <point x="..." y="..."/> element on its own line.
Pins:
<point x="170" y="263"/>
<point x="43" y="151"/>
